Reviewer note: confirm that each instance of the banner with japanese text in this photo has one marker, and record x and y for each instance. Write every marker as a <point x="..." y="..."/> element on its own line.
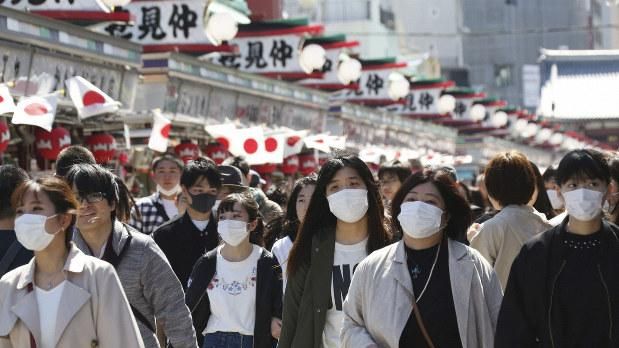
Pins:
<point x="373" y="85"/>
<point x="418" y="102"/>
<point x="329" y="69"/>
<point x="54" y="5"/>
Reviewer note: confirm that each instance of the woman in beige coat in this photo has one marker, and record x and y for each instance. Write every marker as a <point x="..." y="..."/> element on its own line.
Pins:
<point x="62" y="298"/>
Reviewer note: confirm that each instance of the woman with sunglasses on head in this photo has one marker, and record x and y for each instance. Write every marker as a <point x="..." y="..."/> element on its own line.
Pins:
<point x="343" y="224"/>
<point x="428" y="290"/>
<point x="62" y="298"/>
<point x="153" y="290"/>
<point x="235" y="290"/>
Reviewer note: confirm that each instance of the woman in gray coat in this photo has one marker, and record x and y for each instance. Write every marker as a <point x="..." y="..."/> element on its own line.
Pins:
<point x="426" y="290"/>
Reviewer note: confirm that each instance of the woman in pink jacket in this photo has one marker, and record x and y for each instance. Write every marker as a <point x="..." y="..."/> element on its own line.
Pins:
<point x="61" y="298"/>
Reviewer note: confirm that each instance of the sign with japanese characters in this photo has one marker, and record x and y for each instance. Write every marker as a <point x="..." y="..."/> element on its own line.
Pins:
<point x="463" y="107"/>
<point x="418" y="102"/>
<point x="162" y="22"/>
<point x="329" y="69"/>
<point x="373" y="84"/>
<point x="262" y="54"/>
<point x="55" y="5"/>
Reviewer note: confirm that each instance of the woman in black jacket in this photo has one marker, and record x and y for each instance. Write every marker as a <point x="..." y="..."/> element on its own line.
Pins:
<point x="235" y="291"/>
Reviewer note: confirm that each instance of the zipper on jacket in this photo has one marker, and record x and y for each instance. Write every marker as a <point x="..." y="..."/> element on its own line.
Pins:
<point x="610" y="310"/>
<point x="552" y="291"/>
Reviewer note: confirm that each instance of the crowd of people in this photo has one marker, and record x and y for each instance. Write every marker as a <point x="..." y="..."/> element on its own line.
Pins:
<point x="405" y="257"/>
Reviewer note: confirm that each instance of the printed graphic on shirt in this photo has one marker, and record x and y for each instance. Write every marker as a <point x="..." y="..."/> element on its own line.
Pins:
<point x="342" y="275"/>
<point x="234" y="287"/>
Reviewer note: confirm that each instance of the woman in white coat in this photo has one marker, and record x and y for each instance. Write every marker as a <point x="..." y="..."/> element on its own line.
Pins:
<point x="426" y="290"/>
<point x="62" y="298"/>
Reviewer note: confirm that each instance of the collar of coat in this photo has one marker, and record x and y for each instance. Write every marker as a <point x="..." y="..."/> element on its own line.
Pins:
<point x="74" y="264"/>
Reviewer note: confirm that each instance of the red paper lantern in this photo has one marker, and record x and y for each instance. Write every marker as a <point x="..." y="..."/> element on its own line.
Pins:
<point x="187" y="151"/>
<point x="267" y="168"/>
<point x="102" y="146"/>
<point x="307" y="164"/>
<point x="5" y="136"/>
<point x="290" y="165"/>
<point x="49" y="144"/>
<point x="217" y="152"/>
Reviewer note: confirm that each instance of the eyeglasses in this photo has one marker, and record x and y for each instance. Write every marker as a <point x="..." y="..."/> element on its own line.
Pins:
<point x="94" y="197"/>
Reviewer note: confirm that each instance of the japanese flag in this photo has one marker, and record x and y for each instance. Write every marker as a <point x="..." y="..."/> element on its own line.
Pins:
<point x="248" y="142"/>
<point x="160" y="133"/>
<point x="319" y="142"/>
<point x="294" y="143"/>
<point x="88" y="99"/>
<point x="6" y="100"/>
<point x="274" y="146"/>
<point x="36" y="111"/>
<point x="221" y="133"/>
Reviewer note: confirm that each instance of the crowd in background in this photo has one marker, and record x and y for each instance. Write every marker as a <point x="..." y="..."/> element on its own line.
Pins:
<point x="407" y="256"/>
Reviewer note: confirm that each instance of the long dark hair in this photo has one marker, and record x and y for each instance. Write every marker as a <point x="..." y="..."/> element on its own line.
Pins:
<point x="456" y="206"/>
<point x="542" y="203"/>
<point x="91" y="178"/>
<point x="320" y="217"/>
<point x="248" y="202"/>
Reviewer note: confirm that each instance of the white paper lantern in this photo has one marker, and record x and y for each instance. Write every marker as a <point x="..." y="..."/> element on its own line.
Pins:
<point x="220" y="27"/>
<point x="520" y="126"/>
<point x="556" y="139"/>
<point x="115" y="3"/>
<point x="313" y="57"/>
<point x="446" y="104"/>
<point x="530" y="130"/>
<point x="499" y="119"/>
<point x="399" y="86"/>
<point x="543" y="135"/>
<point x="478" y="112"/>
<point x="349" y="70"/>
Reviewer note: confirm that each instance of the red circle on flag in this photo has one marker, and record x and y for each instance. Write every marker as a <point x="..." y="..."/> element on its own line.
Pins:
<point x="250" y="146"/>
<point x="320" y="141"/>
<point x="36" y="109"/>
<point x="270" y="144"/>
<point x="224" y="142"/>
<point x="165" y="131"/>
<point x="293" y="140"/>
<point x="1" y="99"/>
<point x="92" y="97"/>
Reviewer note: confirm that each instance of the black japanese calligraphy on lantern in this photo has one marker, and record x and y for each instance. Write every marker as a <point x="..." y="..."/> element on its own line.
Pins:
<point x="426" y="100"/>
<point x="119" y="30"/>
<point x="151" y="23"/>
<point x="355" y="92"/>
<point x="280" y="52"/>
<point x="229" y="61"/>
<point x="328" y="66"/>
<point x="182" y="19"/>
<point x="255" y="55"/>
<point x="409" y="102"/>
<point x="460" y="108"/>
<point x="375" y="84"/>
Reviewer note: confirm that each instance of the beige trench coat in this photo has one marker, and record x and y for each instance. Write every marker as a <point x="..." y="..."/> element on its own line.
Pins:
<point x="93" y="311"/>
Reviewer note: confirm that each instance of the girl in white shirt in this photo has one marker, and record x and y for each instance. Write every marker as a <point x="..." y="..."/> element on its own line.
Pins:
<point x="234" y="291"/>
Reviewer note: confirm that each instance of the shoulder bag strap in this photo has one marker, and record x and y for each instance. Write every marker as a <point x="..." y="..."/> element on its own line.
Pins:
<point x="33" y="343"/>
<point x="10" y="256"/>
<point x="421" y="326"/>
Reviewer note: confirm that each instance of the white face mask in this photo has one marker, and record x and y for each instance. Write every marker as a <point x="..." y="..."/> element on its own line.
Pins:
<point x="232" y="231"/>
<point x="419" y="219"/>
<point x="171" y="192"/>
<point x="31" y="233"/>
<point x="583" y="204"/>
<point x="349" y="205"/>
<point x="555" y="200"/>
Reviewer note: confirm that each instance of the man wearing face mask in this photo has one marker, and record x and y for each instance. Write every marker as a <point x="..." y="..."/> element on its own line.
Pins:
<point x="563" y="288"/>
<point x="162" y="205"/>
<point x="187" y="237"/>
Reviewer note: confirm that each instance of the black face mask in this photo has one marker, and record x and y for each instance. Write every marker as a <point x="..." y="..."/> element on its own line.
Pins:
<point x="202" y="202"/>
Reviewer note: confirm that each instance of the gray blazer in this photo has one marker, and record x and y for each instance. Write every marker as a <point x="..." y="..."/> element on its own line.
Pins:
<point x="380" y="298"/>
<point x="151" y="287"/>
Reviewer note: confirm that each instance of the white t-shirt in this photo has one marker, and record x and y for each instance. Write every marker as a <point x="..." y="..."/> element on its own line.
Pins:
<point x="345" y="261"/>
<point x="200" y="225"/>
<point x="170" y="207"/>
<point x="232" y="294"/>
<point x="281" y="250"/>
<point x="48" y="302"/>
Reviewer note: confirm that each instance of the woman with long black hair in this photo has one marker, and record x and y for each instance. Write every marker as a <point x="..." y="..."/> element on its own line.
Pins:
<point x="343" y="224"/>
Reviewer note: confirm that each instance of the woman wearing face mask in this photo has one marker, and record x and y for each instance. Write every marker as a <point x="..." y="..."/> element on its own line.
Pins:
<point x="343" y="224"/>
<point x="440" y="292"/>
<point x="235" y="290"/>
<point x="62" y="298"/>
<point x="154" y="292"/>
<point x="563" y="288"/>
<point x="552" y="190"/>
<point x="295" y="213"/>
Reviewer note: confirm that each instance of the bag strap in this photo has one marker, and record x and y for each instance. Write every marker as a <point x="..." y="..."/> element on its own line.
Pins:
<point x="33" y="343"/>
<point x="421" y="326"/>
<point x="160" y="210"/>
<point x="9" y="257"/>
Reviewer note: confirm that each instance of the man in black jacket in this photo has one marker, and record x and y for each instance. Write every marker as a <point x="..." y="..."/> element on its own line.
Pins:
<point x="563" y="288"/>
<point x="187" y="237"/>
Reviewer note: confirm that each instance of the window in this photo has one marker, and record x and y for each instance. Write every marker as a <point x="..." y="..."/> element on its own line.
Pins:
<point x="503" y="75"/>
<point x="345" y="10"/>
